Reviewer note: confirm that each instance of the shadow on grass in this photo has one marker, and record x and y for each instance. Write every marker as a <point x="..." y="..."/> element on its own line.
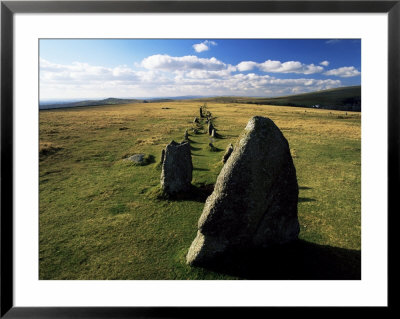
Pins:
<point x="195" y="193"/>
<point x="299" y="260"/>
<point x="191" y="141"/>
<point x="304" y="187"/>
<point x="194" y="148"/>
<point x="218" y="136"/>
<point x="214" y="149"/>
<point x="200" y="169"/>
<point x="306" y="199"/>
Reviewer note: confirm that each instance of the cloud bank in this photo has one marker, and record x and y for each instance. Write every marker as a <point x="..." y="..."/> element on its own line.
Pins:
<point x="280" y="67"/>
<point x="344" y="72"/>
<point x="163" y="75"/>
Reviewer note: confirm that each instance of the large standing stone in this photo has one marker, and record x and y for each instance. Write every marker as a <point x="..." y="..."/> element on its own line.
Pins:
<point x="254" y="202"/>
<point x="176" y="174"/>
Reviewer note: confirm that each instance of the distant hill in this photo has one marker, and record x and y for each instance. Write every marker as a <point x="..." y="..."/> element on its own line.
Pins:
<point x="344" y="98"/>
<point x="109" y="101"/>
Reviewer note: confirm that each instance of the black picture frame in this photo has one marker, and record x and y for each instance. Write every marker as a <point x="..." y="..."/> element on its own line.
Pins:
<point x="9" y="8"/>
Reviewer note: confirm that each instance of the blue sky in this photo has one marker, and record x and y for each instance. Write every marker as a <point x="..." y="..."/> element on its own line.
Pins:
<point x="91" y="68"/>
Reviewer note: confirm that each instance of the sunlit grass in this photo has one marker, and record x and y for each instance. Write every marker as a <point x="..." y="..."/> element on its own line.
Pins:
<point x="100" y="217"/>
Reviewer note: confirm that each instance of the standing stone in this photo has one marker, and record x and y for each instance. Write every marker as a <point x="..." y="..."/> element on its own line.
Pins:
<point x="201" y="112"/>
<point x="210" y="127"/>
<point x="212" y="147"/>
<point x="228" y="153"/>
<point x="196" y="120"/>
<point x="254" y="202"/>
<point x="176" y="174"/>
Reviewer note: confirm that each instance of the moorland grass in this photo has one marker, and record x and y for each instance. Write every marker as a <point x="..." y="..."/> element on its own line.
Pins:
<point x="101" y="217"/>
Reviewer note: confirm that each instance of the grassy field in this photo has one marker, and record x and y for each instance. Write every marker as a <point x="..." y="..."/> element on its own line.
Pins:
<point x="101" y="217"/>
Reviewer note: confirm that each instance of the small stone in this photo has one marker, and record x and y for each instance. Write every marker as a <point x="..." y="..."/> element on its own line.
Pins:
<point x="136" y="158"/>
<point x="212" y="147"/>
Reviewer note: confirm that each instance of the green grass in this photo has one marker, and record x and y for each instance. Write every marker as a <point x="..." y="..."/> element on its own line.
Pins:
<point x="103" y="218"/>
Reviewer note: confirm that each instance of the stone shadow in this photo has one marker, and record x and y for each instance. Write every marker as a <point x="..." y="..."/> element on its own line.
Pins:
<point x="200" y="169"/>
<point x="192" y="148"/>
<point x="195" y="193"/>
<point x="306" y="199"/>
<point x="191" y="140"/>
<point x="300" y="260"/>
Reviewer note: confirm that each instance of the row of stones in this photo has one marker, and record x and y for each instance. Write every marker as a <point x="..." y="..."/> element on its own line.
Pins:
<point x="176" y="160"/>
<point x="254" y="202"/>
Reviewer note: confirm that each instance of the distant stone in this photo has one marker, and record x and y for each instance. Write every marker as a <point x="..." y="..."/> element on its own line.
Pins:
<point x="201" y="112"/>
<point x="254" y="202"/>
<point x="196" y="120"/>
<point x="136" y="158"/>
<point x="186" y="135"/>
<point x="212" y="147"/>
<point x="176" y="174"/>
<point x="210" y="128"/>
<point x="228" y="153"/>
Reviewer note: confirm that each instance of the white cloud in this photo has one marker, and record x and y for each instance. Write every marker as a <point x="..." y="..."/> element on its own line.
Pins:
<point x="203" y="46"/>
<point x="77" y="80"/>
<point x="344" y="72"/>
<point x="272" y="66"/>
<point x="77" y="72"/>
<point x="325" y="63"/>
<point x="188" y="62"/>
<point x="252" y="84"/>
<point x="246" y="66"/>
